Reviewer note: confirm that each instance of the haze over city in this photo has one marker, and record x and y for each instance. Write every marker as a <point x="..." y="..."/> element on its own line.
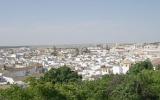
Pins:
<point x="35" y="22"/>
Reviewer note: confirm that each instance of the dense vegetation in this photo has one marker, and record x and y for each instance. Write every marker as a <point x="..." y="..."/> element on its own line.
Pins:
<point x="140" y="83"/>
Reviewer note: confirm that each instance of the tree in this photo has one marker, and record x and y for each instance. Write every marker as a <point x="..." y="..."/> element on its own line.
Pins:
<point x="141" y="83"/>
<point x="62" y="75"/>
<point x="45" y="91"/>
<point x="138" y="67"/>
<point x="15" y="93"/>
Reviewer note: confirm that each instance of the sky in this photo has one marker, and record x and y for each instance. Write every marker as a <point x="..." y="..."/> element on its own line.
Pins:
<point x="47" y="22"/>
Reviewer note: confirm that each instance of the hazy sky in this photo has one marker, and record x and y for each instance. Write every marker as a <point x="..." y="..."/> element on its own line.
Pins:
<point x="26" y="22"/>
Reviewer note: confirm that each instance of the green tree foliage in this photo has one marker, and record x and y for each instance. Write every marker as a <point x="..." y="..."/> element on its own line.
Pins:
<point x="141" y="83"/>
<point x="15" y="93"/>
<point x="62" y="75"/>
<point x="45" y="91"/>
<point x="144" y="85"/>
<point x="138" y="67"/>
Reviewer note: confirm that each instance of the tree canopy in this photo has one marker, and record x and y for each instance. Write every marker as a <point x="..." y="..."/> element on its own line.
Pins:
<point x="140" y="83"/>
<point x="62" y="75"/>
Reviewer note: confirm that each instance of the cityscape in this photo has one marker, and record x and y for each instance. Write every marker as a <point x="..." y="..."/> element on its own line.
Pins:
<point x="92" y="61"/>
<point x="79" y="50"/>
